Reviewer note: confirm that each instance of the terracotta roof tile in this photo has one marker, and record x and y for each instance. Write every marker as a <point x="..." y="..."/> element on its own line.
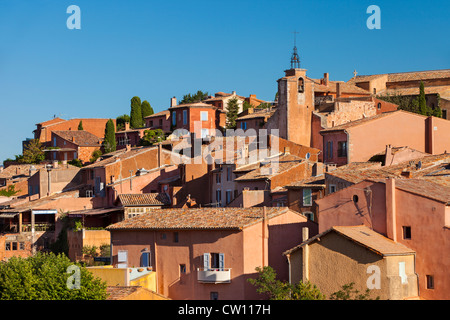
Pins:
<point x="363" y="236"/>
<point x="405" y="76"/>
<point x="198" y="219"/>
<point x="144" y="199"/>
<point x="79" y="137"/>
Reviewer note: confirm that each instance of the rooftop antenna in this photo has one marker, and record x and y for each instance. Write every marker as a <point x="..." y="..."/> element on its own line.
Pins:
<point x="295" y="60"/>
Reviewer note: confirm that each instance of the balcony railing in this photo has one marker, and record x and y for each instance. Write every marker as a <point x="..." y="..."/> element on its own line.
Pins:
<point x="214" y="275"/>
<point x="39" y="227"/>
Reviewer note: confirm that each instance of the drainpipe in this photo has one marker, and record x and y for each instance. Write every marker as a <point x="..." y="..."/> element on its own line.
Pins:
<point x="305" y="251"/>
<point x="264" y="226"/>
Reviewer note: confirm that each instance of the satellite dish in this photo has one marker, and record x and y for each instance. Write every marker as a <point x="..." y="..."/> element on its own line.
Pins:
<point x="308" y="155"/>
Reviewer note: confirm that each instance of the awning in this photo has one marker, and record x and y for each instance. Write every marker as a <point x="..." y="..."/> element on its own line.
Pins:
<point x="8" y="214"/>
<point x="92" y="212"/>
<point x="44" y="211"/>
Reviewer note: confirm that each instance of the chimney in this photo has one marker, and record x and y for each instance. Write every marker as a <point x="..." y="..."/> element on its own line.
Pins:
<point x="305" y="253"/>
<point x="1" y="169"/>
<point x="338" y="90"/>
<point x="326" y="78"/>
<point x="55" y="164"/>
<point x="391" y="210"/>
<point x="127" y="126"/>
<point x="173" y="102"/>
<point x="233" y="93"/>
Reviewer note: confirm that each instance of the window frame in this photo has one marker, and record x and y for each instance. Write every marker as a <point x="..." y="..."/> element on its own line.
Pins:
<point x="307" y="203"/>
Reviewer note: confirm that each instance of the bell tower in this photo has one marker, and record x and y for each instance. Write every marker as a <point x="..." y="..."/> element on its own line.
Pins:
<point x="295" y="103"/>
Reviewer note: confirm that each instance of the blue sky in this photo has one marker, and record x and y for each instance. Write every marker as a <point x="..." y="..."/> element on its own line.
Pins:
<point x="160" y="49"/>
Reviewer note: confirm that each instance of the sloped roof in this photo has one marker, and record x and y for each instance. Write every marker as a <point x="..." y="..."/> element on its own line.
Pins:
<point x="144" y="199"/>
<point x="312" y="182"/>
<point x="79" y="137"/>
<point x="278" y="165"/>
<point x="365" y="237"/>
<point x="347" y="88"/>
<point x="405" y="76"/>
<point x="159" y="114"/>
<point x="194" y="105"/>
<point x="198" y="219"/>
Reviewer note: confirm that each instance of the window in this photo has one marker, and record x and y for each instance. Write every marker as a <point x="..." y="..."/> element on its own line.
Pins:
<point x="184" y="117"/>
<point x="163" y="236"/>
<point x="332" y="188"/>
<point x="342" y="148"/>
<point x="145" y="259"/>
<point x="244" y="125"/>
<point x="355" y="198"/>
<point x="175" y="237"/>
<point x="204" y="115"/>
<point x="205" y="133"/>
<point x="444" y="114"/>
<point x="374" y="90"/>
<point x="151" y="123"/>
<point x="160" y="122"/>
<point x="122" y="259"/>
<point x="21" y="246"/>
<point x="430" y="282"/>
<point x="329" y="150"/>
<point x="14" y="246"/>
<point x="182" y="269"/>
<point x="307" y="198"/>
<point x="174" y="118"/>
<point x="309" y="215"/>
<point x="54" y="141"/>
<point x="218" y="178"/>
<point x="229" y="195"/>
<point x="406" y="233"/>
<point x="213" y="261"/>
<point x="402" y="272"/>
<point x="219" y="197"/>
<point x="214" y="295"/>
<point x="379" y="105"/>
<point x="301" y="85"/>
<point x="8" y="246"/>
<point x="229" y="173"/>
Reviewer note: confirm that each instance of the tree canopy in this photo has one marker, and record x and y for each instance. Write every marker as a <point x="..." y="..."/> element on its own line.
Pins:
<point x="152" y="136"/>
<point x="80" y="125"/>
<point x="232" y="113"/>
<point x="192" y="98"/>
<point x="33" y="152"/>
<point x="45" y="276"/>
<point x="146" y="110"/>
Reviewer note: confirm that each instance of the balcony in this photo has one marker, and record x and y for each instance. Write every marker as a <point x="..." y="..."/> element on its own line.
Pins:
<point x="214" y="275"/>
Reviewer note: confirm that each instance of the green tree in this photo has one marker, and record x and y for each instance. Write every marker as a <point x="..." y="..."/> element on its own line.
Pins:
<point x="152" y="136"/>
<point x="136" y="120"/>
<point x="45" y="276"/>
<point x="33" y="152"/>
<point x="146" y="110"/>
<point x="10" y="191"/>
<point x="246" y="105"/>
<point x="95" y="155"/>
<point x="110" y="137"/>
<point x="267" y="283"/>
<point x="192" y="98"/>
<point x="61" y="245"/>
<point x="348" y="293"/>
<point x="80" y="125"/>
<point x="232" y="113"/>
<point x="121" y="120"/>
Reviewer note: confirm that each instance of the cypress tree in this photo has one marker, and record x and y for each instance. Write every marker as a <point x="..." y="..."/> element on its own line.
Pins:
<point x="136" y="120"/>
<point x="146" y="109"/>
<point x="110" y="137"/>
<point x="80" y="125"/>
<point x="232" y="113"/>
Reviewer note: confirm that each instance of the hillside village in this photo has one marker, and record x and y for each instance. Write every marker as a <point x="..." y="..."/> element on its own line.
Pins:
<point x="327" y="183"/>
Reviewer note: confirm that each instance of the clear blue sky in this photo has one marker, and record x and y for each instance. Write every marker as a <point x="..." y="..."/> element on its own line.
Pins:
<point x="160" y="49"/>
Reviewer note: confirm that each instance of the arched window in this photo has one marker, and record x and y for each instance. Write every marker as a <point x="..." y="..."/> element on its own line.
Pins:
<point x="301" y="85"/>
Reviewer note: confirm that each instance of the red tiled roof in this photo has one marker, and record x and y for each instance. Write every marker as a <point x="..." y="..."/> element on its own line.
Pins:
<point x="79" y="137"/>
<point x="198" y="219"/>
<point x="159" y="114"/>
<point x="144" y="199"/>
<point x="365" y="237"/>
<point x="405" y="76"/>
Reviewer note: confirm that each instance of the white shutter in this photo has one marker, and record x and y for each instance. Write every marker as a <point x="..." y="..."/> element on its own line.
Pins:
<point x="221" y="261"/>
<point x="206" y="262"/>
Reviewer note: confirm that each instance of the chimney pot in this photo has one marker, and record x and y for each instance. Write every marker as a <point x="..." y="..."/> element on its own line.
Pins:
<point x="127" y="126"/>
<point x="338" y="90"/>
